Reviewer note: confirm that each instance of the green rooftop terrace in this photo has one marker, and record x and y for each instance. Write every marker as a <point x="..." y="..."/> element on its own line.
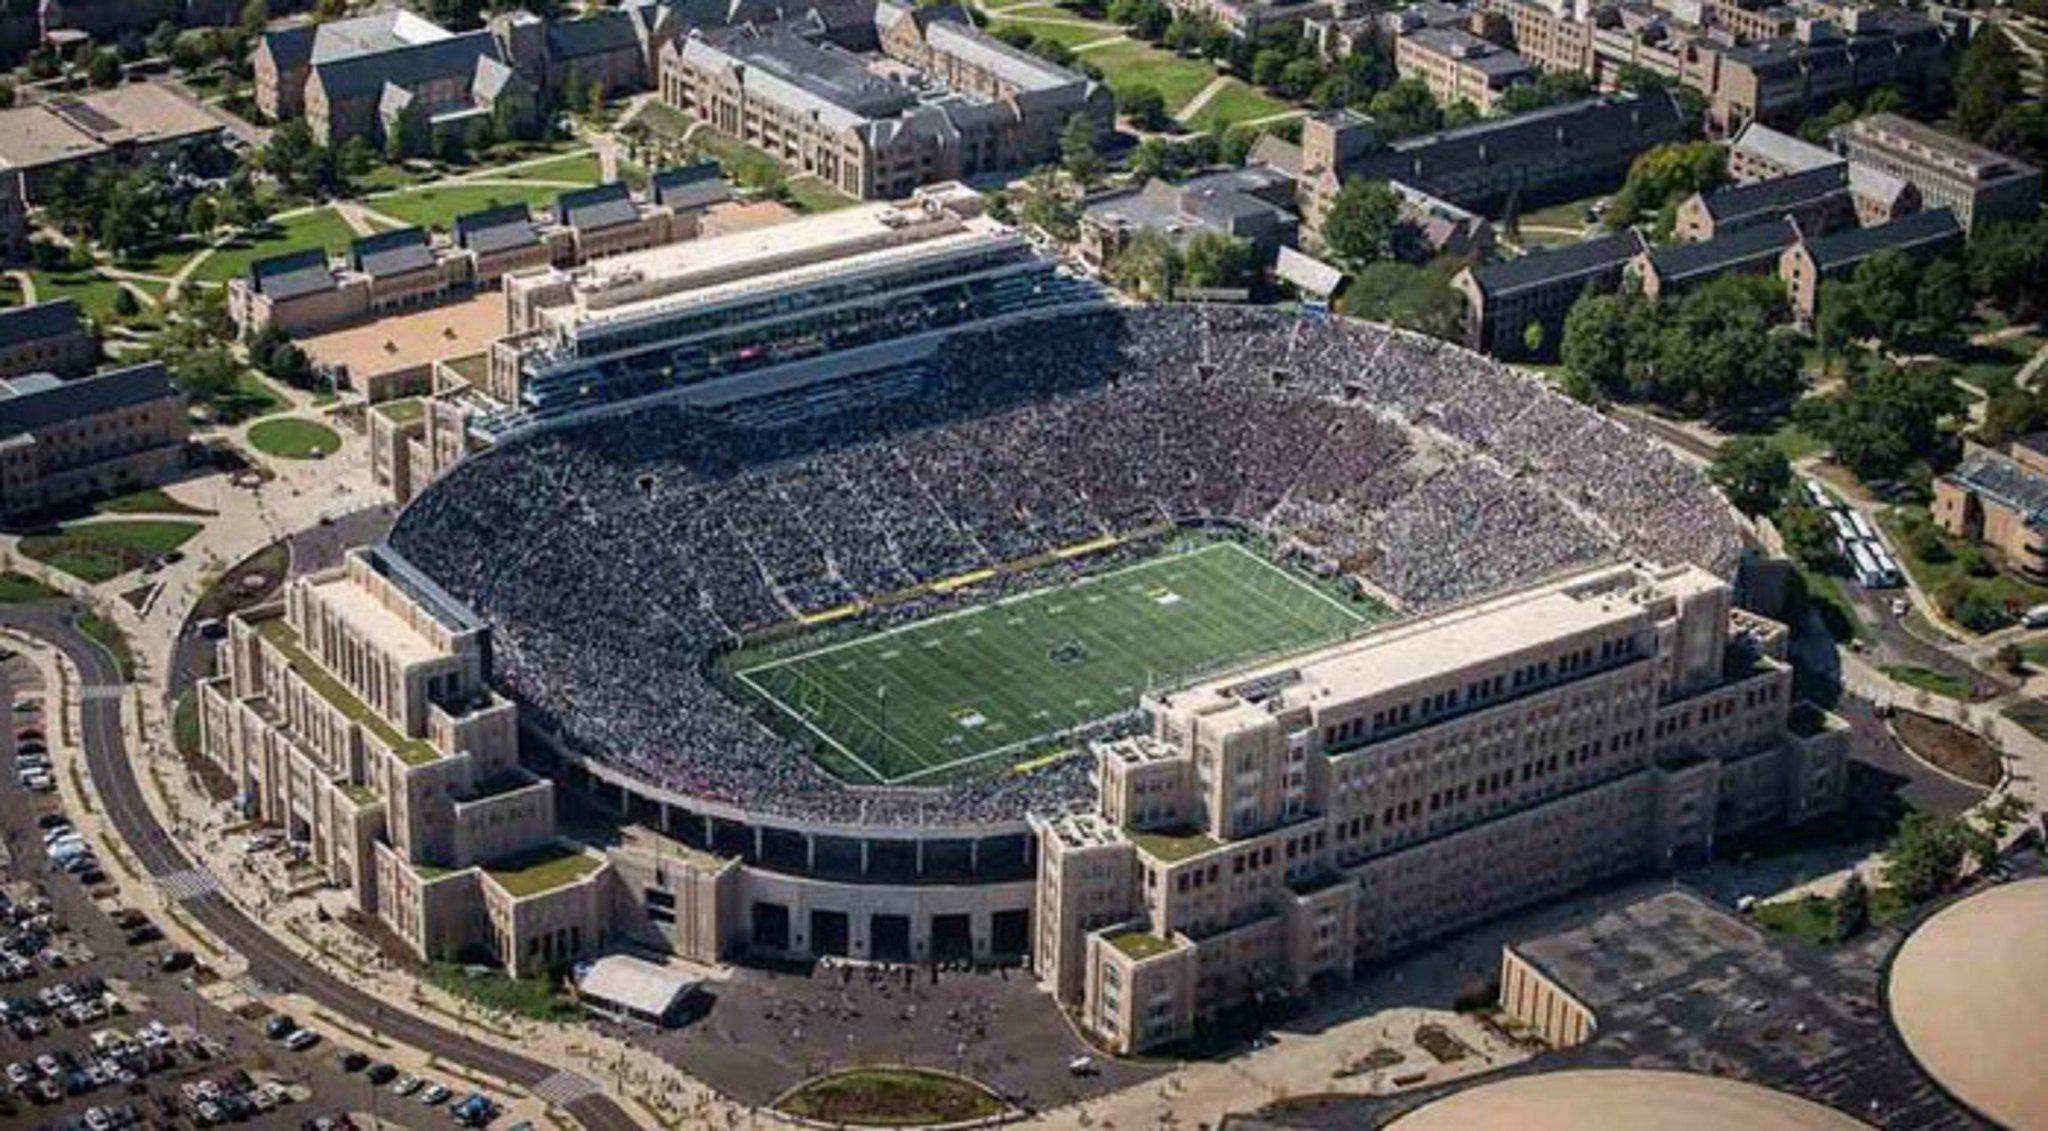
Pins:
<point x="403" y="411"/>
<point x="1140" y="945"/>
<point x="279" y="632"/>
<point x="1172" y="845"/>
<point x="542" y="870"/>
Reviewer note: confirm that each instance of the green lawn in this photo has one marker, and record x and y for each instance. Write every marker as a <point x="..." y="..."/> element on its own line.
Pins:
<point x="537" y="998"/>
<point x="1984" y="365"/>
<point x="1237" y="102"/>
<point x="1837" y="612"/>
<point x="1004" y="679"/>
<point x="99" y="551"/>
<point x="150" y="500"/>
<point x="321" y="228"/>
<point x="1929" y="680"/>
<point x="582" y="167"/>
<point x="1067" y="31"/>
<point x="292" y="437"/>
<point x="437" y="207"/>
<point x="94" y="292"/>
<point x="890" y="1097"/>
<point x="809" y="194"/>
<point x="1813" y="919"/>
<point x="1130" y="65"/>
<point x="165" y="260"/>
<point x="543" y="870"/>
<point x="112" y="639"/>
<point x="18" y="587"/>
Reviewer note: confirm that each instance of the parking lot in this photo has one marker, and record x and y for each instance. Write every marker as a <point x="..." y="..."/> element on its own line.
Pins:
<point x="104" y="1022"/>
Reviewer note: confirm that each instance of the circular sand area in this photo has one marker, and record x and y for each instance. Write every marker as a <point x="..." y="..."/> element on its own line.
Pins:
<point x="1969" y="992"/>
<point x="1623" y="1100"/>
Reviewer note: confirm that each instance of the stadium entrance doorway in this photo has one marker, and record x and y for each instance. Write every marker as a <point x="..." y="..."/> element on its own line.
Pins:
<point x="952" y="938"/>
<point x="1009" y="933"/>
<point x="889" y="938"/>
<point x="831" y="934"/>
<point x="771" y="926"/>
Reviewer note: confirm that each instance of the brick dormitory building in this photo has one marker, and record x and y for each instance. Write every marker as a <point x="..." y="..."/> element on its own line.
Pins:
<point x="1280" y="825"/>
<point x="938" y="100"/>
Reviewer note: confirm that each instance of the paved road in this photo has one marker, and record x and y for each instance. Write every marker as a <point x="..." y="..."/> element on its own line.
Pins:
<point x="270" y="962"/>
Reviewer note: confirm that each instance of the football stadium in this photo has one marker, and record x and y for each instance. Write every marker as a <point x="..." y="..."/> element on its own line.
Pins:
<point x="899" y="600"/>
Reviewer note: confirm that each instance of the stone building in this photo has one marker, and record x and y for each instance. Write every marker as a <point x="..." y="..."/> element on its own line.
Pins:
<point x="62" y="441"/>
<point x="45" y="337"/>
<point x="1976" y="183"/>
<point x="1280" y="826"/>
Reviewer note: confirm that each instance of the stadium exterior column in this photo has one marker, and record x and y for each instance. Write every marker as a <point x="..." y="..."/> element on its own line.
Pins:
<point x="974" y="857"/>
<point x="863" y="856"/>
<point x="708" y="842"/>
<point x="757" y="842"/>
<point x="919" y="842"/>
<point x="810" y="852"/>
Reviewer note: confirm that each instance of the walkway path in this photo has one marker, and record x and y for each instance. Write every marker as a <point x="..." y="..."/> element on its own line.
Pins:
<point x="1202" y="97"/>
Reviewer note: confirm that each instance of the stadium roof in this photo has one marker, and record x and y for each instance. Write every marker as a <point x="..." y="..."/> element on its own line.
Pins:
<point x="52" y="319"/>
<point x="1623" y="1099"/>
<point x="42" y="404"/>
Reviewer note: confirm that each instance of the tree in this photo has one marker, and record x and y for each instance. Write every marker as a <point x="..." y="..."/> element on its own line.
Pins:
<point x="1880" y="422"/>
<point x="1154" y="157"/>
<point x="593" y="97"/>
<point x="1988" y="79"/>
<point x="1852" y="908"/>
<point x="1595" y="344"/>
<point x="1145" y="107"/>
<point x="1078" y="154"/>
<point x="1924" y="856"/>
<point x="6" y="95"/>
<point x="1809" y="536"/>
<point x="1943" y="300"/>
<point x="1662" y="177"/>
<point x="1363" y="223"/>
<point x="2008" y="265"/>
<point x="162" y="38"/>
<point x="406" y="135"/>
<point x="1150" y="263"/>
<point x="105" y="69"/>
<point x="1212" y="259"/>
<point x="201" y="216"/>
<point x="255" y="18"/>
<point x="1753" y="472"/>
<point x="125" y="303"/>
<point x="1534" y="339"/>
<point x="1413" y="298"/>
<point x="1406" y="108"/>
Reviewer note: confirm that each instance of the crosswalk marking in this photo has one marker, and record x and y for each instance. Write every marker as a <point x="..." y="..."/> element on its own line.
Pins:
<point x="188" y="884"/>
<point x="92" y="691"/>
<point x="563" y="1089"/>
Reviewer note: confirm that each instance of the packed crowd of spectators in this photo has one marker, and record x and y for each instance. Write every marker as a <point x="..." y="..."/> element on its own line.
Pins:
<point x="614" y="558"/>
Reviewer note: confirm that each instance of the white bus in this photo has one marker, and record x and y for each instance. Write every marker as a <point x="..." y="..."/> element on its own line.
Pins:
<point x="1887" y="565"/>
<point x="1868" y="575"/>
<point x="1819" y="495"/>
<point x="1845" y="531"/>
<point x="1862" y="525"/>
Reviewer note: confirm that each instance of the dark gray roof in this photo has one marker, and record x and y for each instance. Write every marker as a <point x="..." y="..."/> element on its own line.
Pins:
<point x="1442" y="164"/>
<point x="291" y="47"/>
<point x="290" y="276"/>
<point x="2004" y="481"/>
<point x="53" y="319"/>
<point x="116" y="389"/>
<point x="1779" y="195"/>
<point x="1573" y="261"/>
<point x="409" y="66"/>
<point x="496" y="229"/>
<point x="1921" y="229"/>
<point x="602" y="206"/>
<point x="605" y="31"/>
<point x="391" y="253"/>
<point x="691" y="186"/>
<point x="1759" y="243"/>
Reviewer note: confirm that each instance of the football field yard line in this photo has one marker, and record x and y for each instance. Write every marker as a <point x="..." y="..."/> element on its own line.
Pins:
<point x="798" y="716"/>
<point x="1161" y="620"/>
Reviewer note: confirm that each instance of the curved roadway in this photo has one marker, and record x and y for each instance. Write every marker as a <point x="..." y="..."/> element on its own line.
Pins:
<point x="270" y="961"/>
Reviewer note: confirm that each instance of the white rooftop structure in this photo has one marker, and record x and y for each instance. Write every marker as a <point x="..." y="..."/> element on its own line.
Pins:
<point x="635" y="987"/>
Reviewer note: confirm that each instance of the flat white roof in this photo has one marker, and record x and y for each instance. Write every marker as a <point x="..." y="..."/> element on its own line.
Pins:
<point x="372" y="621"/>
<point x="634" y="984"/>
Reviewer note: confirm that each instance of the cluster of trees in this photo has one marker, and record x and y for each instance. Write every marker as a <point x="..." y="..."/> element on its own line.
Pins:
<point x="1992" y="102"/>
<point x="1885" y="418"/>
<point x="281" y="359"/>
<point x="1364" y="225"/>
<point x="1155" y="264"/>
<point x="1720" y="348"/>
<point x="1418" y="298"/>
<point x="129" y="210"/>
<point x="1661" y="179"/>
<point x="2009" y="266"/>
<point x="1894" y="300"/>
<point x="195" y="346"/>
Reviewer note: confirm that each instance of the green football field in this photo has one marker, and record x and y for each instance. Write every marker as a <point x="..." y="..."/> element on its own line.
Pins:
<point x="910" y="704"/>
